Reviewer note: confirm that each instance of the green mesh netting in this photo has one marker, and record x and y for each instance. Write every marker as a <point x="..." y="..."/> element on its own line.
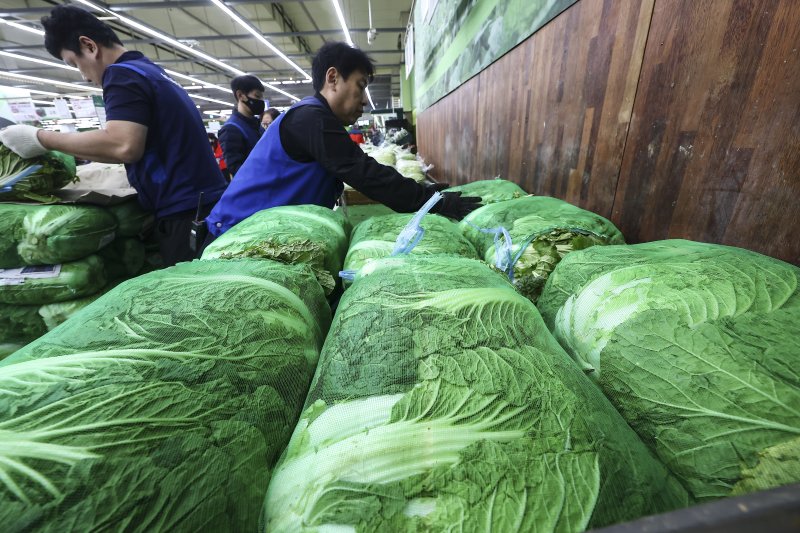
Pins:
<point x="163" y="405"/>
<point x="132" y="220"/>
<point x="490" y="191"/>
<point x="33" y="234"/>
<point x="543" y="230"/>
<point x="57" y="313"/>
<point x="442" y="403"/>
<point x="308" y="234"/>
<point x="375" y="238"/>
<point x="697" y="346"/>
<point x="75" y="280"/>
<point x="56" y="170"/>
<point x="356" y="214"/>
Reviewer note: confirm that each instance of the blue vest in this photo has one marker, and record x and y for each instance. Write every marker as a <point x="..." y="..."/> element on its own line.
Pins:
<point x="251" y="136"/>
<point x="177" y="164"/>
<point x="269" y="178"/>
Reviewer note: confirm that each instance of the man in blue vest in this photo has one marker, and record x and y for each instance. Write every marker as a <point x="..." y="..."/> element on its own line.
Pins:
<point x="243" y="129"/>
<point x="153" y="127"/>
<point x="306" y="154"/>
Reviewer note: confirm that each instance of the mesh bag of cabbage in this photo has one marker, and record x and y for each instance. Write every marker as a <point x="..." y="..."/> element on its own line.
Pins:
<point x="375" y="238"/>
<point x="697" y="346"/>
<point x="32" y="234"/>
<point x="542" y="231"/>
<point x="163" y="405"/>
<point x="442" y="403"/>
<point x="490" y="191"/>
<point x="308" y="234"/>
<point x="52" y="283"/>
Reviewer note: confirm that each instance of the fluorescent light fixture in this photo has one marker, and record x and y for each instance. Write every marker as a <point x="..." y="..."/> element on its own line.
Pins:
<point x="36" y="79"/>
<point x="340" y="16"/>
<point x="43" y="102"/>
<point x="38" y="60"/>
<point x="206" y="98"/>
<point x="46" y="93"/>
<point x="177" y="44"/>
<point x="258" y="35"/>
<point x="198" y="81"/>
<point x="21" y="26"/>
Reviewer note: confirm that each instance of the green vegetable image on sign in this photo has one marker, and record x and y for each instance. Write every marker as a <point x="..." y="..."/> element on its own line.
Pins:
<point x="543" y="230"/>
<point x="308" y="234"/>
<point x="163" y="405"/>
<point x="47" y="173"/>
<point x="442" y="403"/>
<point x="696" y="345"/>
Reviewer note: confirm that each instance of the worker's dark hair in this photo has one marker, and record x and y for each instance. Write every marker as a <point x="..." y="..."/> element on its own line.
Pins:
<point x="344" y="58"/>
<point x="272" y="112"/>
<point x="66" y="24"/>
<point x="245" y="83"/>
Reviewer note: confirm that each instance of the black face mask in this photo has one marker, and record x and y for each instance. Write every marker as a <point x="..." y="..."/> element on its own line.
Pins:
<point x="256" y="106"/>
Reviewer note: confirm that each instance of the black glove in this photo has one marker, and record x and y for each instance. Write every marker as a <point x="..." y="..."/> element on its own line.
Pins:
<point x="436" y="187"/>
<point x="453" y="205"/>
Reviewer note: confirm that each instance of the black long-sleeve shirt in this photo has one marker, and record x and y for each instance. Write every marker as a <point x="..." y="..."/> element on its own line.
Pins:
<point x="313" y="133"/>
<point x="235" y="146"/>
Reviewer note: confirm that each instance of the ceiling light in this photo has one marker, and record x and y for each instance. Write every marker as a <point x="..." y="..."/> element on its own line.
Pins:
<point x="158" y="35"/>
<point x="38" y="60"/>
<point x="46" y="93"/>
<point x="340" y="16"/>
<point x="47" y="80"/>
<point x="258" y="35"/>
<point x="22" y="27"/>
<point x="198" y="81"/>
<point x="206" y="98"/>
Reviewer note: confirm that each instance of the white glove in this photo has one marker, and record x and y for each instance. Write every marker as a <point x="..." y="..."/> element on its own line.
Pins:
<point x="22" y="140"/>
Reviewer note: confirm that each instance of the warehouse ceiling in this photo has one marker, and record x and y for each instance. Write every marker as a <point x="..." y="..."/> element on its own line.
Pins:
<point x="202" y="45"/>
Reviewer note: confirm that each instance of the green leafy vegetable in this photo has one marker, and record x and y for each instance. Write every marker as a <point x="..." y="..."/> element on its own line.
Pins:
<point x="20" y="323"/>
<point x="163" y="405"/>
<point x="75" y="280"/>
<point x="695" y="344"/>
<point x="307" y="234"/>
<point x="123" y="258"/>
<point x="375" y="238"/>
<point x="542" y="230"/>
<point x="490" y="191"/>
<point x="442" y="403"/>
<point x="132" y="220"/>
<point x="56" y="170"/>
<point x="50" y="234"/>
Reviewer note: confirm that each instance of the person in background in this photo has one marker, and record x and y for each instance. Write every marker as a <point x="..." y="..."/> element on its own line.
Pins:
<point x="242" y="130"/>
<point x="269" y="117"/>
<point x="306" y="154"/>
<point x="357" y="135"/>
<point x="216" y="147"/>
<point x="153" y="128"/>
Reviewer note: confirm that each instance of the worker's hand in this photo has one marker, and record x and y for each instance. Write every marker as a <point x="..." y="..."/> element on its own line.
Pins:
<point x="22" y="140"/>
<point x="453" y="205"/>
<point x="436" y="187"/>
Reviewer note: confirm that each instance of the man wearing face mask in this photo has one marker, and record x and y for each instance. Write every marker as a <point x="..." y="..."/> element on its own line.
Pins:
<point x="243" y="129"/>
<point x="153" y="127"/>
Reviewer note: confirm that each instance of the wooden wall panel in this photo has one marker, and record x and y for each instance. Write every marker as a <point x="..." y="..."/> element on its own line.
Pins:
<point x="713" y="152"/>
<point x="675" y="118"/>
<point x="553" y="113"/>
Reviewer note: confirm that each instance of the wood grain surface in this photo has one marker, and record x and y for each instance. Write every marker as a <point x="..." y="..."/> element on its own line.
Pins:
<point x="674" y="118"/>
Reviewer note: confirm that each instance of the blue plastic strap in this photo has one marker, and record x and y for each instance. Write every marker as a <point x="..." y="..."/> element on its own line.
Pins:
<point x="347" y="275"/>
<point x="502" y="249"/>
<point x="413" y="232"/>
<point x="9" y="183"/>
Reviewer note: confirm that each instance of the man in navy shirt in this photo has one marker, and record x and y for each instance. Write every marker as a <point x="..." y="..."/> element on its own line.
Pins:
<point x="153" y="127"/>
<point x="243" y="129"/>
<point x="306" y="154"/>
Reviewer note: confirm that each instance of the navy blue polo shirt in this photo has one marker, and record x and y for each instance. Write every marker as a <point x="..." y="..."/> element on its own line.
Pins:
<point x="178" y="162"/>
